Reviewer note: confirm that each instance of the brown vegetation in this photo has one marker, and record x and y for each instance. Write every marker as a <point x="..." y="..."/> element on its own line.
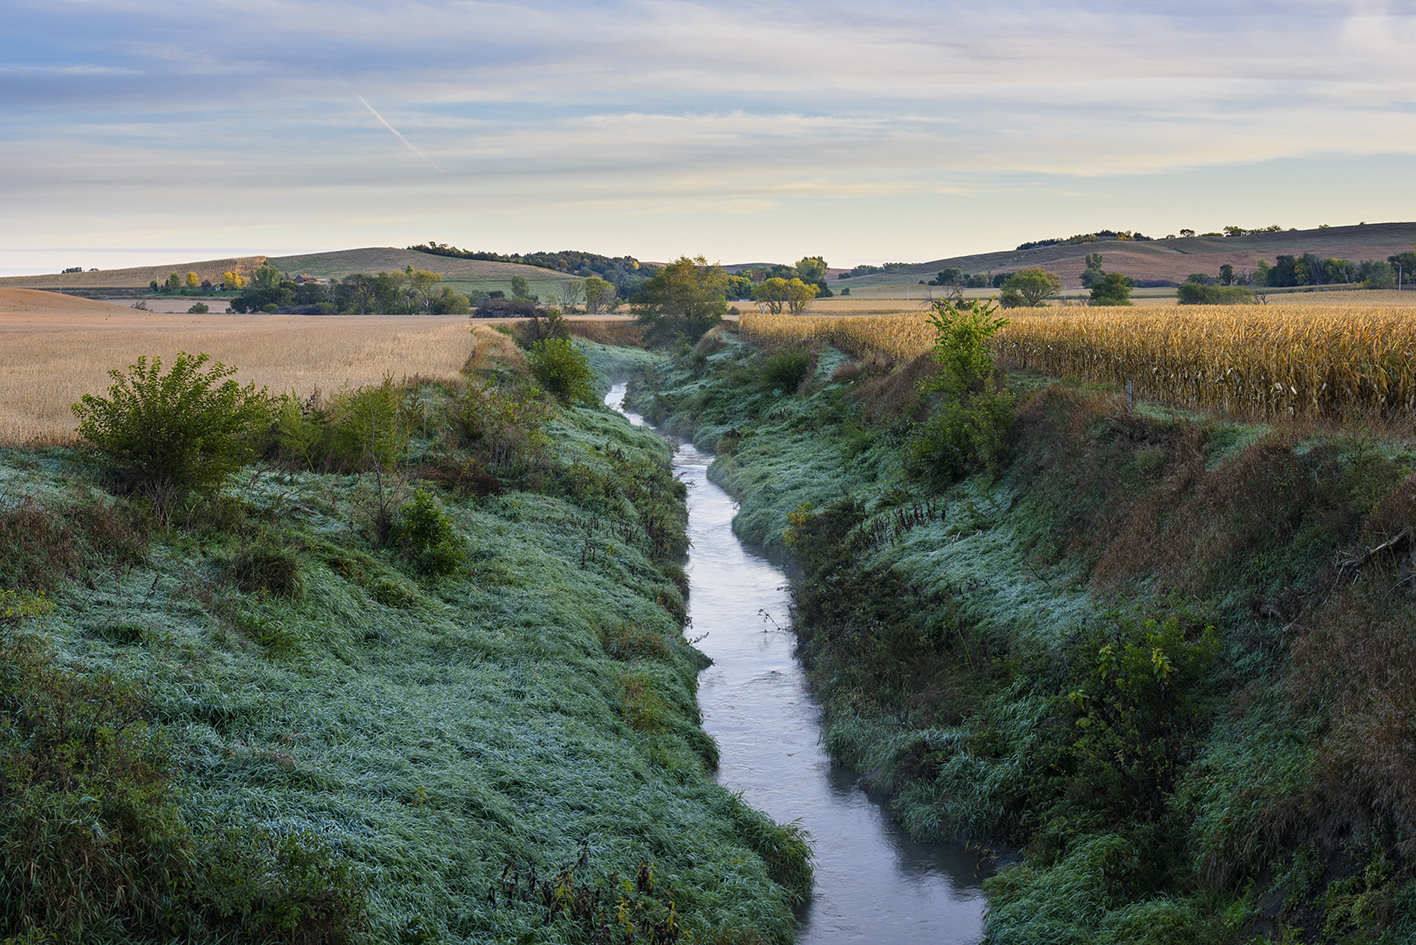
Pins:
<point x="45" y="370"/>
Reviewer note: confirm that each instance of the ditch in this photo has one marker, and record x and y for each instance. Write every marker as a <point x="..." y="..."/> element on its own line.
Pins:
<point x="873" y="883"/>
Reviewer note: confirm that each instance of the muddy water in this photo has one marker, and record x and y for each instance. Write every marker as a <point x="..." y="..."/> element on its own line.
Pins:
<point x="873" y="884"/>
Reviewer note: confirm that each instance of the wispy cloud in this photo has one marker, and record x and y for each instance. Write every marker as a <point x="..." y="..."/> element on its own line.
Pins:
<point x="572" y="114"/>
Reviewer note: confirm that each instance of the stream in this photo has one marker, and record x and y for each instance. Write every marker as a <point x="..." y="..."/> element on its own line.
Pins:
<point x="873" y="883"/>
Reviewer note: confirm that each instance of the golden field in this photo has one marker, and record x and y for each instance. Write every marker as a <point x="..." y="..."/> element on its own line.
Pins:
<point x="1329" y="362"/>
<point x="51" y="356"/>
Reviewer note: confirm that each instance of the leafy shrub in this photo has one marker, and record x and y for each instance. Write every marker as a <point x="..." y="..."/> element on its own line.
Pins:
<point x="785" y="370"/>
<point x="426" y="535"/>
<point x="563" y="370"/>
<point x="503" y="426"/>
<point x="968" y="429"/>
<point x="175" y="433"/>
<point x="366" y="428"/>
<point x="198" y="308"/>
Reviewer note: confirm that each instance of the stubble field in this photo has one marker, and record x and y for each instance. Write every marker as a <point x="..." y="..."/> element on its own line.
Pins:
<point x="49" y="359"/>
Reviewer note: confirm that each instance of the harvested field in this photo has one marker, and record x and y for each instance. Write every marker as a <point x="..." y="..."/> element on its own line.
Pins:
<point x="49" y="359"/>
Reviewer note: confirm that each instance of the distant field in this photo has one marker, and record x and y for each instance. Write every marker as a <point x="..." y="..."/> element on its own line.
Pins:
<point x="48" y="362"/>
<point x="135" y="278"/>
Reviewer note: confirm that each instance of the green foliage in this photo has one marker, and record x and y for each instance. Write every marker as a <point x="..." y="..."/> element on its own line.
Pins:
<point x="187" y="430"/>
<point x="1029" y="288"/>
<point x="425" y="533"/>
<point x="198" y="308"/>
<point x="785" y="370"/>
<point x="968" y="429"/>
<point x="520" y="288"/>
<point x="1137" y="701"/>
<point x="503" y="425"/>
<point x="361" y="429"/>
<point x="1111" y="289"/>
<point x="681" y="302"/>
<point x="562" y="369"/>
<point x="1193" y="293"/>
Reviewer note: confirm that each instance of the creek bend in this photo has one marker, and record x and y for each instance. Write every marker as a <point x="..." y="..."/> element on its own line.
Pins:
<point x="873" y="883"/>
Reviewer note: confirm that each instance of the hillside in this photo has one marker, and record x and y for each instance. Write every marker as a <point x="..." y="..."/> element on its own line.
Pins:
<point x="461" y="272"/>
<point x="138" y="277"/>
<point x="1171" y="259"/>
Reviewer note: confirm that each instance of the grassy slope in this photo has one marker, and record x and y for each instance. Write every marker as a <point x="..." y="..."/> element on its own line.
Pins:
<point x="1254" y="788"/>
<point x="1170" y="259"/>
<point x="422" y="732"/>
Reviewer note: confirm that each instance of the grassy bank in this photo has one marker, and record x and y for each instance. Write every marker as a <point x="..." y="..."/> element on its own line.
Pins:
<point x="1165" y="659"/>
<point x="444" y="698"/>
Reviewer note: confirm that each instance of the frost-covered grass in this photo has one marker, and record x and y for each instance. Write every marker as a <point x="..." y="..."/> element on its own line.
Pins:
<point x="534" y="709"/>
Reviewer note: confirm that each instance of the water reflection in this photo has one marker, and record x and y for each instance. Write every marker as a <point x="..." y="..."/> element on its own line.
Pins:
<point x="873" y="883"/>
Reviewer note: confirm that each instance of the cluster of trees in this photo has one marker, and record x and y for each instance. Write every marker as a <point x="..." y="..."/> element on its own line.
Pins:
<point x="1097" y="237"/>
<point x="1311" y="269"/>
<point x="624" y="272"/>
<point x="177" y="285"/>
<point x="957" y="277"/>
<point x="865" y="270"/>
<point x="1032" y="287"/>
<point x="778" y="292"/>
<point x="811" y="270"/>
<point x="413" y="291"/>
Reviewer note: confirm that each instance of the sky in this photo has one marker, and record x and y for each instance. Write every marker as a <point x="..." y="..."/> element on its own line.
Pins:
<point x="151" y="131"/>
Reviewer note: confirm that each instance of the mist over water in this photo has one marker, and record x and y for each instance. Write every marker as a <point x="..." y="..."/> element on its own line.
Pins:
<point x="873" y="883"/>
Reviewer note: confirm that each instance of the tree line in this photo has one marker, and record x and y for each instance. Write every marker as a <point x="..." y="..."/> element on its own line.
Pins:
<point x="624" y="272"/>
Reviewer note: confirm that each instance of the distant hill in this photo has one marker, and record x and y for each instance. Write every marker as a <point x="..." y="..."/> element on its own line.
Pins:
<point x="1172" y="259"/>
<point x="101" y="281"/>
<point x="335" y="265"/>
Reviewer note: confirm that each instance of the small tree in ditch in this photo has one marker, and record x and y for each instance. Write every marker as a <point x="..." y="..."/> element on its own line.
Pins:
<point x="968" y="427"/>
<point x="176" y="433"/>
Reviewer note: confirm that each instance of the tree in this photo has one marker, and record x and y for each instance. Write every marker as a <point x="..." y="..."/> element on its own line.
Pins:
<point x="1092" y="274"/>
<point x="365" y="290"/>
<point x="598" y="292"/>
<point x="800" y="293"/>
<point x="1113" y="289"/>
<point x="192" y="280"/>
<point x="681" y="301"/>
<point x="174" y="282"/>
<point x="1029" y="288"/>
<point x="1187" y="232"/>
<point x="811" y="269"/>
<point x="423" y="289"/>
<point x="771" y="293"/>
<point x="520" y="287"/>
<point x="1226" y="273"/>
<point x="233" y="280"/>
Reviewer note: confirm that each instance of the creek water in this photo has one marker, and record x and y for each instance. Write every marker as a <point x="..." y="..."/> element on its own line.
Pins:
<point x="873" y="883"/>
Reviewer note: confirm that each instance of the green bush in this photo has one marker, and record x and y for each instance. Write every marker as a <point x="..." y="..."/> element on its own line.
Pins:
<point x="563" y="370"/>
<point x="968" y="429"/>
<point x="176" y="433"/>
<point x="424" y="532"/>
<point x="785" y="370"/>
<point x="198" y="308"/>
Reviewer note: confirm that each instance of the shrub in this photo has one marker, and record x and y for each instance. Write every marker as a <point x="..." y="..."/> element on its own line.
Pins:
<point x="968" y="429"/>
<point x="563" y="370"/>
<point x="785" y="370"/>
<point x="426" y="535"/>
<point x="503" y="426"/>
<point x="175" y="433"/>
<point x="198" y="308"/>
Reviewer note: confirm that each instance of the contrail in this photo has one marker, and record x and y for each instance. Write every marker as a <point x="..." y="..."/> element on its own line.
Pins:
<point x="410" y="144"/>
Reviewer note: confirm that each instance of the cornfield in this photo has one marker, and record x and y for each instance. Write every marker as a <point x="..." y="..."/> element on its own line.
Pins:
<point x="1262" y="363"/>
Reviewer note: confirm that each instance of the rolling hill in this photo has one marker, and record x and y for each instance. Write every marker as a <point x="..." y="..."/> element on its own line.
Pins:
<point x="1172" y="259"/>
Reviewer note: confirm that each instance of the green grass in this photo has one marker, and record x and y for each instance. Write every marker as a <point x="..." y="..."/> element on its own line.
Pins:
<point x="422" y="732"/>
